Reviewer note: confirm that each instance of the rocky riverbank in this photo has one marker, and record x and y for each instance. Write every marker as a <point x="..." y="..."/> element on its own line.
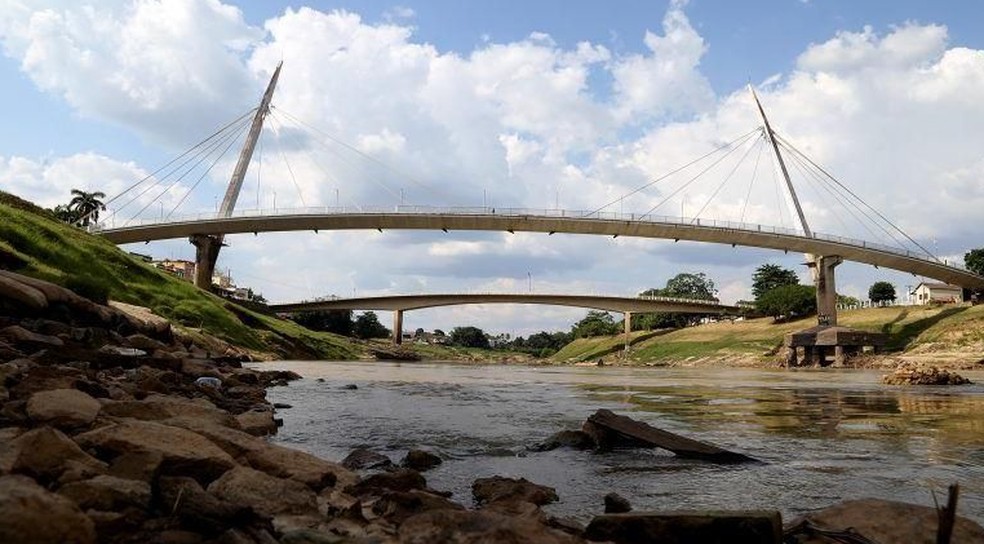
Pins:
<point x="115" y="427"/>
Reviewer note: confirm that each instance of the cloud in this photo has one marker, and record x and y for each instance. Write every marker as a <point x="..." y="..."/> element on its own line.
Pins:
<point x="513" y="124"/>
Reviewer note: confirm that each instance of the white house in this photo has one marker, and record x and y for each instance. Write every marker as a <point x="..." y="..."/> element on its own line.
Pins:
<point x="928" y="293"/>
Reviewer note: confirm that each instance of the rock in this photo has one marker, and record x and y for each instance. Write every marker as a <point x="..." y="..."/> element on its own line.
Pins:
<point x="275" y="460"/>
<point x="498" y="488"/>
<point x="144" y="342"/>
<point x="420" y="460"/>
<point x="578" y="440"/>
<point x="365" y="459"/>
<point x="121" y="351"/>
<point x="616" y="504"/>
<point x="22" y="294"/>
<point x="140" y="465"/>
<point x="52" y="293"/>
<point x="184" y="452"/>
<point x="399" y="480"/>
<point x="481" y="527"/>
<point x="397" y="506"/>
<point x="889" y="521"/>
<point x="199" y="510"/>
<point x="17" y="335"/>
<point x="108" y="493"/>
<point x="915" y="374"/>
<point x="48" y="455"/>
<point x="63" y="408"/>
<point x="257" y="422"/>
<point x="157" y="407"/>
<point x="282" y="406"/>
<point x="347" y="387"/>
<point x="738" y="527"/>
<point x="43" y="377"/>
<point x="33" y="514"/>
<point x="265" y="494"/>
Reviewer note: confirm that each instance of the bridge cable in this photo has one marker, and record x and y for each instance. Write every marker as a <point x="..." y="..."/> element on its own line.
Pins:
<point x="232" y="141"/>
<point x="776" y="184"/>
<point x="670" y="173"/>
<point x="812" y="182"/>
<point x="347" y="162"/>
<point x="751" y="181"/>
<point x="280" y="148"/>
<point x="725" y="180"/>
<point x="701" y="173"/>
<point x="201" y="155"/>
<point x="859" y="199"/>
<point x="324" y="170"/>
<point x="368" y="157"/>
<point x="259" y="170"/>
<point x="176" y="159"/>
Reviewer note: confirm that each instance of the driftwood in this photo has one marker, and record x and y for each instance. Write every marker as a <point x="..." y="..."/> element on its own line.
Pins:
<point x="609" y="429"/>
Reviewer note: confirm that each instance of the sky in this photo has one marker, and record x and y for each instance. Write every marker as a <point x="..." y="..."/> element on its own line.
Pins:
<point x="545" y="104"/>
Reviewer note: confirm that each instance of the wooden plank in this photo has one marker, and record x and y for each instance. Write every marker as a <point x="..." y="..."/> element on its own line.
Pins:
<point x="610" y="429"/>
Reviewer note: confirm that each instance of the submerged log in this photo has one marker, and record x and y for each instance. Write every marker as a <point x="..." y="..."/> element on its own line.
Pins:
<point x="609" y="429"/>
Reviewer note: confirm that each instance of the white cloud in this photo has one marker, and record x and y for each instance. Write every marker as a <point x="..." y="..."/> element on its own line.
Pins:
<point x="890" y="114"/>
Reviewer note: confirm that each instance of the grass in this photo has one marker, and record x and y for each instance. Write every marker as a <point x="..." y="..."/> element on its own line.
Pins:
<point x="910" y="328"/>
<point x="33" y="243"/>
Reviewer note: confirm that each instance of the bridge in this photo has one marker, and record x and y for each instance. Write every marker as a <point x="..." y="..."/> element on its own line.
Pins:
<point x="398" y="304"/>
<point x="823" y="253"/>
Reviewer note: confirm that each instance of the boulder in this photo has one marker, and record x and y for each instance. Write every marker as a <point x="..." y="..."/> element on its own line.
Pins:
<point x="157" y="407"/>
<point x="63" y="408"/>
<point x="33" y="514"/>
<point x="19" y="336"/>
<point x="481" y="527"/>
<point x="139" y="465"/>
<point x="711" y="527"/>
<point x="257" y="422"/>
<point x="108" y="493"/>
<point x="43" y="377"/>
<point x="52" y="293"/>
<point x="397" y="506"/>
<point x="145" y="343"/>
<point x="498" y="488"/>
<point x="420" y="460"/>
<point x="48" y="455"/>
<point x="183" y="452"/>
<point x="199" y="510"/>
<point x="21" y="294"/>
<point x="365" y="459"/>
<point x="266" y="495"/>
<point x="399" y="480"/>
<point x="616" y="504"/>
<point x="889" y="521"/>
<point x="275" y="460"/>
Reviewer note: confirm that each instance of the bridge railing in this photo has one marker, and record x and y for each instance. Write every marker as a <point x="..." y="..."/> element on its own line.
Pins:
<point x="692" y="222"/>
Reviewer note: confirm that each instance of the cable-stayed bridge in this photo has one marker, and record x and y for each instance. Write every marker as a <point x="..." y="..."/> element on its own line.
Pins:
<point x="894" y="249"/>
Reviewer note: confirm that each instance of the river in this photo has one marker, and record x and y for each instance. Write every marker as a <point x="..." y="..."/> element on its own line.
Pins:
<point x="824" y="435"/>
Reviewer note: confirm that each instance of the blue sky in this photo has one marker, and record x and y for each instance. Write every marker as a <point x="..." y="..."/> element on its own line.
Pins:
<point x="503" y="99"/>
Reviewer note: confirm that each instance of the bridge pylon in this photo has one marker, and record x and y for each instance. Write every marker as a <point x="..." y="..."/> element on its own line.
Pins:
<point x="207" y="246"/>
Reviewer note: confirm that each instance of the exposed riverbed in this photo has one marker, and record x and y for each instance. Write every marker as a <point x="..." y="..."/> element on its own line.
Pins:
<point x="825" y="435"/>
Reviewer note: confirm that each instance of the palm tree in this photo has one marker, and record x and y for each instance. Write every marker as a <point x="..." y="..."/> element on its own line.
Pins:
<point x="64" y="213"/>
<point x="86" y="206"/>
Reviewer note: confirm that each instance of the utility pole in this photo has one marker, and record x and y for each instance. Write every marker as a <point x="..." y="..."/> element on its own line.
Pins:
<point x="207" y="246"/>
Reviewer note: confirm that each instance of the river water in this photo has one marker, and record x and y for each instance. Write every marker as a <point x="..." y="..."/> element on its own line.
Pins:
<point x="824" y="435"/>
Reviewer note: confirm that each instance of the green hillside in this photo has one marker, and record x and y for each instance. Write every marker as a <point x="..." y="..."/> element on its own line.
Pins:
<point x="33" y="243"/>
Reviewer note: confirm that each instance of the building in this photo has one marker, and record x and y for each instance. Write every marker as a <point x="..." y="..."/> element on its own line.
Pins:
<point x="178" y="267"/>
<point x="937" y="293"/>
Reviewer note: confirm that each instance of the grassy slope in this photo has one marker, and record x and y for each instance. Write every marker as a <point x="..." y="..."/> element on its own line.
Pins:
<point x="33" y="243"/>
<point x="912" y="329"/>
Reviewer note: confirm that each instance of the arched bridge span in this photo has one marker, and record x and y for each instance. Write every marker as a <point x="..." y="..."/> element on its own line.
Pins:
<point x="550" y="222"/>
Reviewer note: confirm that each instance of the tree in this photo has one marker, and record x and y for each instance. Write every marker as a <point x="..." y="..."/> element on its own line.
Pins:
<point x="881" y="291"/>
<point x="469" y="337"/>
<point x="769" y="276"/>
<point x="845" y="300"/>
<point x="64" y="213"/>
<point x="684" y="285"/>
<point x="596" y="323"/>
<point x="336" y="321"/>
<point x="788" y="301"/>
<point x="367" y="325"/>
<point x="974" y="261"/>
<point x="86" y="206"/>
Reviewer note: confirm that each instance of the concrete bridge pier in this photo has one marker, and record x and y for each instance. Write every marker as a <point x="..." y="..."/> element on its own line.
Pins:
<point x="397" y="327"/>
<point x="826" y="289"/>
<point x="206" y="254"/>
<point x="627" y="316"/>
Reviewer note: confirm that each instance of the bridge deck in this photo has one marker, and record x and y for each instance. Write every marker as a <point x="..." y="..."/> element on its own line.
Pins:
<point x="549" y="221"/>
